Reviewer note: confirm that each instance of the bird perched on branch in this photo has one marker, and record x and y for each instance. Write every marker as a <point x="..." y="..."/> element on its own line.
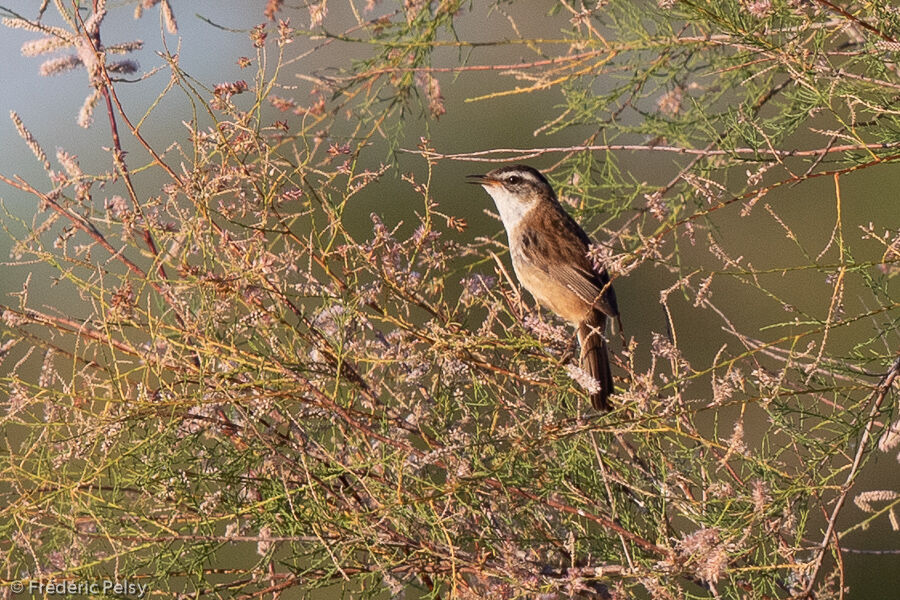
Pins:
<point x="549" y="252"/>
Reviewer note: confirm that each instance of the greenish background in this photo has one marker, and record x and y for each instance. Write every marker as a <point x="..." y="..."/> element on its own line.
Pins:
<point x="49" y="106"/>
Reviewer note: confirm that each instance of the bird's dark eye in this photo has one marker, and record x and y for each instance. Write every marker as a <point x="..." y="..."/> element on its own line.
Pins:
<point x="513" y="180"/>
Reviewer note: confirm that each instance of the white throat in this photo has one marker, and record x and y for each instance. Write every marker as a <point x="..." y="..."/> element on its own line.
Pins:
<point x="511" y="208"/>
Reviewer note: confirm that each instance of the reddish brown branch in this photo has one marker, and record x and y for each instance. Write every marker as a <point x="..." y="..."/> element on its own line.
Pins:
<point x="879" y="394"/>
<point x="856" y="20"/>
<point x="525" y="153"/>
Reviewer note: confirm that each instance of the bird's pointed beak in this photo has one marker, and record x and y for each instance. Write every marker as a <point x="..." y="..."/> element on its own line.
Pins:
<point x="482" y="180"/>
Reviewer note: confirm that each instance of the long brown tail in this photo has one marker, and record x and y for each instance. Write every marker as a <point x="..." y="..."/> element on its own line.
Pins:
<point x="595" y="357"/>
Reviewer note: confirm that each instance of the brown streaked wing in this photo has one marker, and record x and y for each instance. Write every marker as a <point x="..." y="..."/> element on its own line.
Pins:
<point x="585" y="284"/>
<point x="565" y="259"/>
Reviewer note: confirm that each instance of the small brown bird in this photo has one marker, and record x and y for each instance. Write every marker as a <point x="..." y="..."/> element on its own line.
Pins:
<point x="549" y="255"/>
